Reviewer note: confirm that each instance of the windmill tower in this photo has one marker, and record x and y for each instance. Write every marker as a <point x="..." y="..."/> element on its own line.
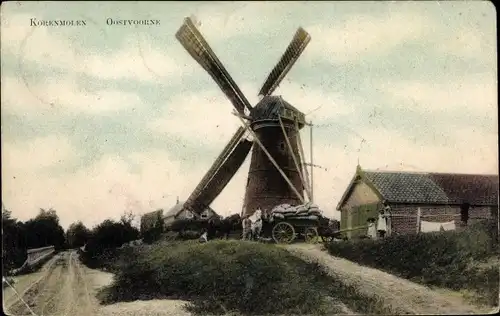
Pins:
<point x="276" y="173"/>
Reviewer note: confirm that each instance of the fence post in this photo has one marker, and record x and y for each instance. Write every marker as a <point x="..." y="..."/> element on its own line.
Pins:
<point x="419" y="215"/>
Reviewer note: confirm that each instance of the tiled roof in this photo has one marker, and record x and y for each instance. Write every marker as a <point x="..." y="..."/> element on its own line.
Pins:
<point x="269" y="107"/>
<point x="470" y="188"/>
<point x="406" y="187"/>
<point x="435" y="188"/>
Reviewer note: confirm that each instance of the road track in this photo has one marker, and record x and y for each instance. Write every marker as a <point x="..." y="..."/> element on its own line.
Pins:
<point x="399" y="295"/>
<point x="65" y="287"/>
<point x="60" y="290"/>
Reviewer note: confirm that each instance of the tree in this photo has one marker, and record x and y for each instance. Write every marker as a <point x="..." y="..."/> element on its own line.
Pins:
<point x="154" y="233"/>
<point x="111" y="234"/>
<point x="13" y="241"/>
<point x="45" y="230"/>
<point x="77" y="235"/>
<point x="127" y="218"/>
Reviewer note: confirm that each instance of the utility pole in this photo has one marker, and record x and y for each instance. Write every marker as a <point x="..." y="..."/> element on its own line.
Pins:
<point x="311" y="146"/>
<point x="311" y="157"/>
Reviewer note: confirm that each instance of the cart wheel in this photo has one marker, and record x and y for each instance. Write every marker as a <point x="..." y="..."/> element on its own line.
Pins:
<point x="283" y="233"/>
<point x="310" y="235"/>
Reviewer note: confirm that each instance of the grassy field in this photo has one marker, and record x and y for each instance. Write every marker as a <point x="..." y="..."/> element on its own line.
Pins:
<point x="464" y="261"/>
<point x="229" y="276"/>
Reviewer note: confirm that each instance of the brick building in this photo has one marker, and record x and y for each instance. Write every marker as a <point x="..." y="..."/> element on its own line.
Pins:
<point x="433" y="197"/>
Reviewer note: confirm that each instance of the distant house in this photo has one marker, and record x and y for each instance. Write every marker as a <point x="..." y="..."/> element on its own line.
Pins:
<point x="178" y="212"/>
<point x="437" y="197"/>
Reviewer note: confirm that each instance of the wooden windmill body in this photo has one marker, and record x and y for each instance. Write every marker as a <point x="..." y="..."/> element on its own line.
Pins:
<point x="277" y="174"/>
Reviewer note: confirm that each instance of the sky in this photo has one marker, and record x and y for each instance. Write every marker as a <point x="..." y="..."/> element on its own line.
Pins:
<point x="102" y="119"/>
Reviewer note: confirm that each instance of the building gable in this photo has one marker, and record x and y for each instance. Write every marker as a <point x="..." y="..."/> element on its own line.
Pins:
<point x="360" y="194"/>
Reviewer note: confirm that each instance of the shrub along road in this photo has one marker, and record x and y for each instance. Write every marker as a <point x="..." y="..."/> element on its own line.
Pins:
<point x="399" y="295"/>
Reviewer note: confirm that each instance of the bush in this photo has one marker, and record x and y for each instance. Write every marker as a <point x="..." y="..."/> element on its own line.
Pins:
<point x="240" y="276"/>
<point x="106" y="259"/>
<point x="441" y="259"/>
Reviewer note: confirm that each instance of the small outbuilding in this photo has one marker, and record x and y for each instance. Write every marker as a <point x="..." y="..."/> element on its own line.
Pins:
<point x="178" y="212"/>
<point x="417" y="201"/>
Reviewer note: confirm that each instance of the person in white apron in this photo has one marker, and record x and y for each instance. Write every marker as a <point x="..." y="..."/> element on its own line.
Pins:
<point x="382" y="221"/>
<point x="372" y="229"/>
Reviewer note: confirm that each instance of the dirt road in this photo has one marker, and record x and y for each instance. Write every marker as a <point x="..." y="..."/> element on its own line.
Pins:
<point x="66" y="287"/>
<point x="402" y="296"/>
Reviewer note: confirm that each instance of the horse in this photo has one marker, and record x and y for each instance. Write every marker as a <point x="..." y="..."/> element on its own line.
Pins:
<point x="256" y="226"/>
<point x="328" y="228"/>
<point x="217" y="227"/>
<point x="230" y="224"/>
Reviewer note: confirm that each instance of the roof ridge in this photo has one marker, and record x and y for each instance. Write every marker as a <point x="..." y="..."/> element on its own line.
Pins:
<point x="466" y="174"/>
<point x="394" y="171"/>
<point x="432" y="172"/>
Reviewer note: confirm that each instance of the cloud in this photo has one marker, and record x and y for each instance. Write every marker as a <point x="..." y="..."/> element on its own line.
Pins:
<point x="61" y="95"/>
<point x="319" y="105"/>
<point x="35" y="43"/>
<point x="467" y="151"/>
<point x="203" y="117"/>
<point x="222" y="23"/>
<point x="140" y="60"/>
<point x="38" y="153"/>
<point x="362" y="35"/>
<point x="144" y="181"/>
<point x="467" y="42"/>
<point x="206" y="117"/>
<point x="475" y="93"/>
<point x="136" y="58"/>
<point x="140" y="182"/>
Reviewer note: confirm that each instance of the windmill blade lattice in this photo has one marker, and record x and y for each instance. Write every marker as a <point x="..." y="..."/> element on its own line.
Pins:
<point x="292" y="53"/>
<point x="223" y="156"/>
<point x="224" y="174"/>
<point x="192" y="40"/>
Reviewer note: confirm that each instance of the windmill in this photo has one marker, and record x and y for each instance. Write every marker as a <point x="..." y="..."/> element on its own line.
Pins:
<point x="270" y="129"/>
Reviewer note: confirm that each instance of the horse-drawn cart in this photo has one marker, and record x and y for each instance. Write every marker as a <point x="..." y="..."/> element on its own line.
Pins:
<point x="286" y="231"/>
<point x="304" y="222"/>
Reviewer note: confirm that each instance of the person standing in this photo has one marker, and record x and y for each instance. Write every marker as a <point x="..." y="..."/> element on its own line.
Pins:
<point x="372" y="229"/>
<point x="382" y="220"/>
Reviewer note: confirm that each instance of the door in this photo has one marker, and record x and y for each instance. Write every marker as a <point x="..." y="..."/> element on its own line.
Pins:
<point x="360" y="216"/>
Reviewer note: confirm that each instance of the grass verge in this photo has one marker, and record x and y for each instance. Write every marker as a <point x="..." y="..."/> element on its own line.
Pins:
<point x="225" y="276"/>
<point x="461" y="261"/>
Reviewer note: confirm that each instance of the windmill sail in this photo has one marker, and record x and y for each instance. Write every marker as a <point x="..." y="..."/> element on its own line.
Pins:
<point x="292" y="53"/>
<point x="228" y="149"/>
<point x="223" y="175"/>
<point x="192" y="40"/>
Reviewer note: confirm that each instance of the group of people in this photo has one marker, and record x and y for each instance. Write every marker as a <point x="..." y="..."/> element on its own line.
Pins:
<point x="378" y="227"/>
<point x="252" y="227"/>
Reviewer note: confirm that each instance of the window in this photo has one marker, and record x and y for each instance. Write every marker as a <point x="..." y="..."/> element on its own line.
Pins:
<point x="204" y="214"/>
<point x="188" y="214"/>
<point x="282" y="146"/>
